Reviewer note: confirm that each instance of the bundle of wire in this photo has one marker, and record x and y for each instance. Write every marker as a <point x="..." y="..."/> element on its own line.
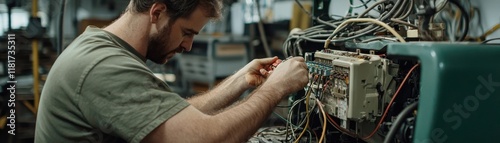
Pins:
<point x="456" y="18"/>
<point x="344" y="29"/>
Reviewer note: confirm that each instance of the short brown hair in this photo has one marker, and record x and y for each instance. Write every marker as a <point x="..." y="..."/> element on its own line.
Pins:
<point x="181" y="8"/>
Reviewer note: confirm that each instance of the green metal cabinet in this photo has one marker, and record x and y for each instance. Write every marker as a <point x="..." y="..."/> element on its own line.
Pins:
<point x="460" y="91"/>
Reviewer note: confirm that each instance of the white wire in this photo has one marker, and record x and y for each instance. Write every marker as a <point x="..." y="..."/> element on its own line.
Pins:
<point x="341" y="26"/>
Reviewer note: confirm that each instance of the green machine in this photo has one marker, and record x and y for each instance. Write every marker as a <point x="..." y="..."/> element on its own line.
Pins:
<point x="459" y="91"/>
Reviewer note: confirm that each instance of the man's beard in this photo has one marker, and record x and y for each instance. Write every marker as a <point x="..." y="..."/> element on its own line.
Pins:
<point x="158" y="44"/>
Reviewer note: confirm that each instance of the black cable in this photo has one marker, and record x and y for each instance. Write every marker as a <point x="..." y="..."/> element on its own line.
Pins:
<point x="10" y="5"/>
<point x="464" y="15"/>
<point x="373" y="27"/>
<point x="489" y="40"/>
<point x="263" y="37"/>
<point x="369" y="29"/>
<point x="479" y="20"/>
<point x="399" y="121"/>
<point x="303" y="9"/>
<point x="364" y="4"/>
<point x="361" y="32"/>
<point x="60" y="31"/>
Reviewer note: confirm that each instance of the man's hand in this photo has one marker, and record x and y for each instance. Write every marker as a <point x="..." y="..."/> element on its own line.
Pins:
<point x="289" y="76"/>
<point x="257" y="71"/>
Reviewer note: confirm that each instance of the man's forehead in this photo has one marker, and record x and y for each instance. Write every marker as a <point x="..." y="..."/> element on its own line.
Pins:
<point x="195" y="22"/>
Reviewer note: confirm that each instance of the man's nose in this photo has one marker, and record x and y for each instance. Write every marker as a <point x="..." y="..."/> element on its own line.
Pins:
<point x="187" y="44"/>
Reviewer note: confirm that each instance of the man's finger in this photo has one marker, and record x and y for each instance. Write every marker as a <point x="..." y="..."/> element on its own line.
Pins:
<point x="263" y="72"/>
<point x="267" y="60"/>
<point x="300" y="59"/>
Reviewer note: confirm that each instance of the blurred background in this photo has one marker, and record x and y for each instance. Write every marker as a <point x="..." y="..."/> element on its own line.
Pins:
<point x="249" y="29"/>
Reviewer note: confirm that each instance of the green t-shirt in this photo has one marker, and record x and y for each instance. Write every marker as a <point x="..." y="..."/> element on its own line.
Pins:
<point x="100" y="90"/>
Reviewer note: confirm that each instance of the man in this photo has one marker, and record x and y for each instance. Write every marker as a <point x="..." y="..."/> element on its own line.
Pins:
<point x="100" y="90"/>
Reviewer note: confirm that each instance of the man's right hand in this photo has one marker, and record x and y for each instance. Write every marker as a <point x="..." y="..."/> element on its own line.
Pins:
<point x="289" y="76"/>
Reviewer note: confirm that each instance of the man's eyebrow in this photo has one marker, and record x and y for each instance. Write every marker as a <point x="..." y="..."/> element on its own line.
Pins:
<point x="192" y="31"/>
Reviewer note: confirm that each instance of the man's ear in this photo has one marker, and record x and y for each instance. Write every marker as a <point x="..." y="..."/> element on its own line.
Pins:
<point x="156" y="10"/>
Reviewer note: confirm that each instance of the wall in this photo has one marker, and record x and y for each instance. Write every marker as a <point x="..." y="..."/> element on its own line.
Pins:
<point x="489" y="14"/>
<point x="76" y="10"/>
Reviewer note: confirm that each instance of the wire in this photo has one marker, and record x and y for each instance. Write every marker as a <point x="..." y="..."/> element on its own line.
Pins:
<point x="343" y="130"/>
<point x="441" y="7"/>
<point x="292" y="45"/>
<point x="465" y="16"/>
<point x="308" y="94"/>
<point x="326" y="23"/>
<point x="283" y="106"/>
<point x="382" y="17"/>
<point x="60" y="31"/>
<point x="361" y="5"/>
<point x="282" y="118"/>
<point x="371" y="7"/>
<point x="390" y="103"/>
<point x="289" y="122"/>
<point x="489" y="40"/>
<point x="349" y="10"/>
<point x="403" y="22"/>
<point x="410" y="9"/>
<point x="262" y="33"/>
<point x="290" y="114"/>
<point x="303" y="9"/>
<point x="365" y="20"/>
<point x="490" y="31"/>
<point x="401" y="8"/>
<point x="399" y="121"/>
<point x="378" y="38"/>
<point x="324" y="121"/>
<point x="479" y="20"/>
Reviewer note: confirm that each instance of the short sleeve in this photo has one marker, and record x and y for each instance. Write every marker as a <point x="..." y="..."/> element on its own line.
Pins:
<point x="119" y="96"/>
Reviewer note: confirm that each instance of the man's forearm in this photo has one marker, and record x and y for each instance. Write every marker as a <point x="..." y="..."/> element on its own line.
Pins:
<point x="223" y="95"/>
<point x="236" y="124"/>
<point x="243" y="120"/>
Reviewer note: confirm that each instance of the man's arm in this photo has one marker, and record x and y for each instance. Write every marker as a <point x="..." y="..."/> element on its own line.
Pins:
<point x="228" y="91"/>
<point x="238" y="123"/>
<point x="224" y="94"/>
<point x="233" y="125"/>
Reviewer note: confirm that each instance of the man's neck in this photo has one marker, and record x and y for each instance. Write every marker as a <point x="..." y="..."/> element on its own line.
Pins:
<point x="133" y="29"/>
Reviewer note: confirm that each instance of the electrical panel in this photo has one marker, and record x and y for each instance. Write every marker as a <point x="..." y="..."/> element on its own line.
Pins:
<point x="355" y="85"/>
<point x="374" y="66"/>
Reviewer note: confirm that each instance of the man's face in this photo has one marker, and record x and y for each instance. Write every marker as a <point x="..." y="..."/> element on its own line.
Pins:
<point x="174" y="37"/>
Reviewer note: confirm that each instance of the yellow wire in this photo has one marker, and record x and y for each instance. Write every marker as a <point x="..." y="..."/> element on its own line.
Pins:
<point x="36" y="75"/>
<point x="35" y="63"/>
<point x="30" y="107"/>
<point x="308" y="94"/>
<point x="343" y="24"/>
<point x="34" y="8"/>
<point x="489" y="32"/>
<point x="307" y="115"/>
<point x="3" y="121"/>
<point x="324" y="121"/>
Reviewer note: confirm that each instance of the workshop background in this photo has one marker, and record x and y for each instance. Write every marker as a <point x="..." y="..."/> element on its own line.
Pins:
<point x="248" y="29"/>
